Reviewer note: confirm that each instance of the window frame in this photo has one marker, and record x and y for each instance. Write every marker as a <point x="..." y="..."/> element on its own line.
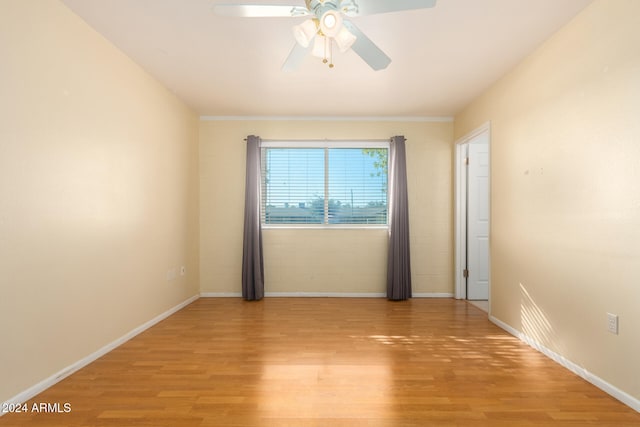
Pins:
<point x="326" y="144"/>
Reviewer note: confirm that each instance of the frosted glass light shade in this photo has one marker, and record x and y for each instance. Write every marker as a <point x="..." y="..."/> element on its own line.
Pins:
<point x="319" y="47"/>
<point x="345" y="39"/>
<point x="304" y="33"/>
<point x="331" y="23"/>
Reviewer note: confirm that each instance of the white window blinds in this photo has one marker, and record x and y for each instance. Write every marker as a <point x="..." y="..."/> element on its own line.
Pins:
<point x="324" y="185"/>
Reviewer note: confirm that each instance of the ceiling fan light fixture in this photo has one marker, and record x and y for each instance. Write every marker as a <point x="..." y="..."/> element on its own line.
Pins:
<point x="345" y="39"/>
<point x="327" y="25"/>
<point x="305" y="32"/>
<point x="331" y="23"/>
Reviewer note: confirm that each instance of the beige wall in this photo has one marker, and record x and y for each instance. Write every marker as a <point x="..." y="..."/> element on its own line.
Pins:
<point x="566" y="191"/>
<point x="320" y="260"/>
<point x="98" y="185"/>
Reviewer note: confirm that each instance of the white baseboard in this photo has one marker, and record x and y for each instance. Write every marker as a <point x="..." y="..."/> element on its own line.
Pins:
<point x="220" y="295"/>
<point x="325" y="294"/>
<point x="322" y="295"/>
<point x="64" y="373"/>
<point x="613" y="391"/>
<point x="298" y="295"/>
<point x="433" y="295"/>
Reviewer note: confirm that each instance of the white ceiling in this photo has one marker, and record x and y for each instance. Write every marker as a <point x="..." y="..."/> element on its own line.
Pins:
<point x="442" y="57"/>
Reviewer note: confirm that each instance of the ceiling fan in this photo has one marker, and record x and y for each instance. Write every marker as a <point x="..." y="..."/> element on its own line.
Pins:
<point x="327" y="26"/>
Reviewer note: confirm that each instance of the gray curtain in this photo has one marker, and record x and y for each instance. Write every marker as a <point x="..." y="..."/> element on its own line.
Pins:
<point x="252" y="263"/>
<point x="399" y="262"/>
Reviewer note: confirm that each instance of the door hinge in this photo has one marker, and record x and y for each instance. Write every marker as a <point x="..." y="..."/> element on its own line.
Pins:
<point x="465" y="273"/>
<point x="466" y="160"/>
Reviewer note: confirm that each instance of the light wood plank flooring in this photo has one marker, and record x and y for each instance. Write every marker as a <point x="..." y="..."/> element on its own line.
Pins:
<point x="326" y="362"/>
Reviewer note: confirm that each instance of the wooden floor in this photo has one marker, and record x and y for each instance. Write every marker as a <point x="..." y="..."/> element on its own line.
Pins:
<point x="326" y="362"/>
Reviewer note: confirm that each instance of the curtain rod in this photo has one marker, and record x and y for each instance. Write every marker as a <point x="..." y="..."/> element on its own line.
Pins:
<point x="324" y="140"/>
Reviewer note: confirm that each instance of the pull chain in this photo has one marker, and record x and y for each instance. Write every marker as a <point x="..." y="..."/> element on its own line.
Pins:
<point x="330" y="53"/>
<point x="328" y="47"/>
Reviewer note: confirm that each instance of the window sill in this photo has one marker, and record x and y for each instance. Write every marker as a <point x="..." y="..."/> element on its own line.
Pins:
<point x="325" y="227"/>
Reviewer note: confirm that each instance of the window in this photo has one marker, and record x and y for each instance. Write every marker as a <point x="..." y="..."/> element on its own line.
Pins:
<point x="326" y="183"/>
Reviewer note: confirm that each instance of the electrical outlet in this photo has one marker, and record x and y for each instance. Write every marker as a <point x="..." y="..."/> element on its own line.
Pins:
<point x="612" y="323"/>
<point x="183" y="270"/>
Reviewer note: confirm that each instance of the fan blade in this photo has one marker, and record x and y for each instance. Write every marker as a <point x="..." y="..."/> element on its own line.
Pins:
<point x="295" y="58"/>
<point x="258" y="10"/>
<point x="366" y="49"/>
<point x="371" y="7"/>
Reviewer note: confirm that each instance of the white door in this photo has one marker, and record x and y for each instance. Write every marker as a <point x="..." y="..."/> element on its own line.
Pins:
<point x="478" y="218"/>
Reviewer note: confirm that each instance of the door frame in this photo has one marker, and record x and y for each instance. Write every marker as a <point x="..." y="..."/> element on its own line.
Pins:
<point x="460" y="199"/>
